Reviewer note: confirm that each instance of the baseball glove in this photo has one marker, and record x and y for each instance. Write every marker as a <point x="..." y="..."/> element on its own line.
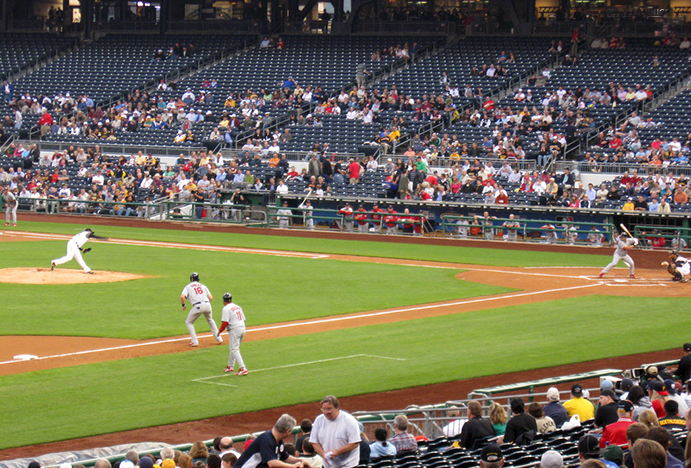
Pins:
<point x="86" y="250"/>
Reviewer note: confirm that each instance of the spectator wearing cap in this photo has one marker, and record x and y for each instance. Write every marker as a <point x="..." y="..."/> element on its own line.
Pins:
<point x="607" y="410"/>
<point x="615" y="433"/>
<point x="683" y="371"/>
<point x="146" y="462"/>
<point x="579" y="405"/>
<point x="554" y="409"/>
<point x="588" y="448"/>
<point x="551" y="459"/>
<point x="626" y="386"/>
<point x="674" y="395"/>
<point x="491" y="456"/>
<point x="673" y="451"/>
<point x="477" y="428"/>
<point x="613" y="456"/>
<point x="658" y="396"/>
<point x="520" y="426"/>
<point x="672" y="421"/>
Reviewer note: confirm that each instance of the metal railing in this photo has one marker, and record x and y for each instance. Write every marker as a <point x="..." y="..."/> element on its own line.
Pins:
<point x="120" y="149"/>
<point x="530" y="230"/>
<point x="620" y="168"/>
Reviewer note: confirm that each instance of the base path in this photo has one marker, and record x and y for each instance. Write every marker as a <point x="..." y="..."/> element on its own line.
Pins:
<point x="534" y="285"/>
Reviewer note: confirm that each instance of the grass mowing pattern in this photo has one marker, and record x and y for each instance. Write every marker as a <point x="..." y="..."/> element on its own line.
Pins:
<point x="102" y="398"/>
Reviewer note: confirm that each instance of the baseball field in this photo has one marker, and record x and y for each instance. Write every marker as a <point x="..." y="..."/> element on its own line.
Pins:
<point x="82" y="355"/>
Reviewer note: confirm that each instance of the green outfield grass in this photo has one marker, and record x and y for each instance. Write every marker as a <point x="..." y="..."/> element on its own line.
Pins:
<point x="102" y="398"/>
<point x="470" y="255"/>
<point x="271" y="289"/>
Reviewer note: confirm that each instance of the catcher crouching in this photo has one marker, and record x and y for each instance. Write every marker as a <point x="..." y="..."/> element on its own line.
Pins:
<point x="678" y="267"/>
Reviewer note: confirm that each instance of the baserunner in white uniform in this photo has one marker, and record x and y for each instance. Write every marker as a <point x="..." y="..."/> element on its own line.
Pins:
<point x="233" y="318"/>
<point x="74" y="250"/>
<point x="623" y="245"/>
<point x="200" y="299"/>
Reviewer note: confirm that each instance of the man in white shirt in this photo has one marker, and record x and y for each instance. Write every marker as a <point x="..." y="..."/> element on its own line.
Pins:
<point x="336" y="436"/>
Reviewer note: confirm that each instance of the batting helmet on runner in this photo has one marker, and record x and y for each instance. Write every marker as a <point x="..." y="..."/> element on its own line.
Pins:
<point x="227" y="297"/>
<point x="194" y="276"/>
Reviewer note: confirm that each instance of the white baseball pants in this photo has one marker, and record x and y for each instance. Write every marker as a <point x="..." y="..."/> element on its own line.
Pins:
<point x="235" y="336"/>
<point x="616" y="258"/>
<point x="73" y="252"/>
<point x="202" y="308"/>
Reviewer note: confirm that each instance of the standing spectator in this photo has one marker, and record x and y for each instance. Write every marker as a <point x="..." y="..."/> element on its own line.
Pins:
<point x="354" y="171"/>
<point x="336" y="435"/>
<point x="403" y="441"/>
<point x="684" y="369"/>
<point x="267" y="450"/>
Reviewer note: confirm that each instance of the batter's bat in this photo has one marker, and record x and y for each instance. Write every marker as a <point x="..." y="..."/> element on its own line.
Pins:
<point x="308" y="195"/>
<point x="625" y="230"/>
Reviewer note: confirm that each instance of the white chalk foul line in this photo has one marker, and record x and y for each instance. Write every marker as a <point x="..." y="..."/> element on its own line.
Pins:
<point x="297" y="364"/>
<point x="177" y="245"/>
<point x="318" y="321"/>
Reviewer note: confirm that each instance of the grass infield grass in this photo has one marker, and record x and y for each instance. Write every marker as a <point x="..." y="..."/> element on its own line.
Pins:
<point x="112" y="396"/>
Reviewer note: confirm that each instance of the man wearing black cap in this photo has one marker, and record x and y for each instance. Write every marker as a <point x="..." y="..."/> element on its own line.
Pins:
<point x="588" y="448"/>
<point x="607" y="410"/>
<point x="615" y="433"/>
<point x="579" y="405"/>
<point x="684" y="369"/>
<point x="491" y="457"/>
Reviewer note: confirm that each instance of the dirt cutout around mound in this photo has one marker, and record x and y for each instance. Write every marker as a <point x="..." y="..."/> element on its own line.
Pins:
<point x="62" y="276"/>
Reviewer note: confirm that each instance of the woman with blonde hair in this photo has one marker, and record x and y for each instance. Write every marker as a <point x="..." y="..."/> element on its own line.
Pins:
<point x="649" y="418"/>
<point x="498" y="418"/>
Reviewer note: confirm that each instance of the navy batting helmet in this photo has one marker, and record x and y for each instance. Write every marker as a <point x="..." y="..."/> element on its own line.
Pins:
<point x="227" y="297"/>
<point x="194" y="276"/>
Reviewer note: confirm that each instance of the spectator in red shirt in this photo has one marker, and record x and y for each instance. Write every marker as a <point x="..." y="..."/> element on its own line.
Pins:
<point x="615" y="433"/>
<point x="354" y="171"/>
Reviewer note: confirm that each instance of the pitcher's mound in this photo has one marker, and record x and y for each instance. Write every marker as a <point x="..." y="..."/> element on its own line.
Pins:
<point x="61" y="276"/>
